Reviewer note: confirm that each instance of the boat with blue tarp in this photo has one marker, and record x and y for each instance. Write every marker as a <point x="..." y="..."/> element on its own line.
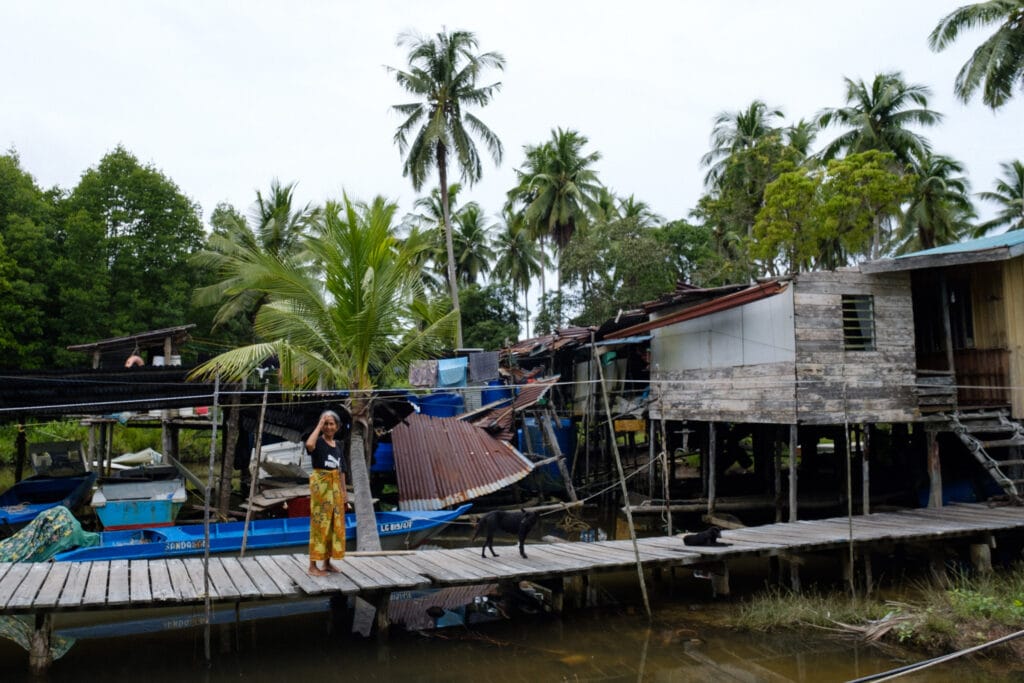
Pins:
<point x="399" y="530"/>
<point x="26" y="499"/>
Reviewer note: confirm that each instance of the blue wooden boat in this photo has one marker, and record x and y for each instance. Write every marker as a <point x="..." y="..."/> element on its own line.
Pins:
<point x="21" y="503"/>
<point x="398" y="531"/>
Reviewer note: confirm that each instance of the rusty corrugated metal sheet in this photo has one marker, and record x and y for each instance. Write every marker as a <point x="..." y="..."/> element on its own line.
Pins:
<point x="443" y="461"/>
<point x="499" y="422"/>
<point x="560" y="339"/>
<point x="722" y="303"/>
<point x="410" y="609"/>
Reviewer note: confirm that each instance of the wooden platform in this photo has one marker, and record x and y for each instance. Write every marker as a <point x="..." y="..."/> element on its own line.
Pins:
<point x="54" y="587"/>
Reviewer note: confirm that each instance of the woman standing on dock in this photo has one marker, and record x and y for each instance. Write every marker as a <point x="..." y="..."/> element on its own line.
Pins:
<point x="326" y="495"/>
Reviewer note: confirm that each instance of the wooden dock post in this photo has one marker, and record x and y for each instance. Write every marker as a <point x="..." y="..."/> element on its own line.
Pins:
<point x="981" y="555"/>
<point x="381" y="602"/>
<point x="712" y="467"/>
<point x="40" y="657"/>
<point x="934" y="470"/>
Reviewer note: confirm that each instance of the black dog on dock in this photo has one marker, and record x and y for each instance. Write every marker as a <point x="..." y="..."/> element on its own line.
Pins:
<point x="708" y="537"/>
<point x="509" y="521"/>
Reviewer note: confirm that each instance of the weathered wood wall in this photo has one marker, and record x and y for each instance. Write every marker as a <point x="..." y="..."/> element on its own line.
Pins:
<point x="835" y="385"/>
<point x="823" y="383"/>
<point x="1013" y="300"/>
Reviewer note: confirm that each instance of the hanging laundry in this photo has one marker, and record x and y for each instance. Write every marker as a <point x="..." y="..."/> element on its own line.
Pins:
<point x="451" y="372"/>
<point x="483" y="367"/>
<point x="423" y="373"/>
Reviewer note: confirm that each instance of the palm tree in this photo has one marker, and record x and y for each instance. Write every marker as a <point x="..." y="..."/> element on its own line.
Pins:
<point x="442" y="74"/>
<point x="274" y="228"/>
<point x="1009" y="195"/>
<point x="878" y="117"/>
<point x="800" y="137"/>
<point x="997" y="65"/>
<point x="557" y="185"/>
<point x="343" y="321"/>
<point x="472" y="244"/>
<point x="639" y="211"/>
<point x="940" y="210"/>
<point x="735" y="131"/>
<point x="520" y="258"/>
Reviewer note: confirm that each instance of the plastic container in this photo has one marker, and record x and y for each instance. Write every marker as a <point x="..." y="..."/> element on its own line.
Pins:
<point x="497" y="392"/>
<point x="383" y="458"/>
<point x="441" y="404"/>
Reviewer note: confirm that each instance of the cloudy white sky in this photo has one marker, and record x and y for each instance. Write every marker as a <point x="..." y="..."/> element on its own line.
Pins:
<point x="225" y="96"/>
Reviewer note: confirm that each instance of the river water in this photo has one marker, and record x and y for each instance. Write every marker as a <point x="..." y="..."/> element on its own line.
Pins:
<point x="469" y="635"/>
<point x="498" y="641"/>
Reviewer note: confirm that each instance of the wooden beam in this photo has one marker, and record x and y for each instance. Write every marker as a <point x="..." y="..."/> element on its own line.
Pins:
<point x="934" y="470"/>
<point x="711" y="468"/>
<point x="794" y="457"/>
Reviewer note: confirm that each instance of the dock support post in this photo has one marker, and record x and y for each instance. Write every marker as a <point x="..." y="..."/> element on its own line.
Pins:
<point x="712" y="468"/>
<point x="381" y="602"/>
<point x="981" y="555"/>
<point x="794" y="457"/>
<point x="934" y="470"/>
<point x="937" y="565"/>
<point x="720" y="580"/>
<point x="40" y="658"/>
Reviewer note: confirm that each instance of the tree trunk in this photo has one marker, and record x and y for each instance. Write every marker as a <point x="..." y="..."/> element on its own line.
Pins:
<point x="228" y="457"/>
<point x="367" y="537"/>
<point x="453" y="285"/>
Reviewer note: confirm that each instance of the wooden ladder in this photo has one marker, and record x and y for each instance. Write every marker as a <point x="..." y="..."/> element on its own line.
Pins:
<point x="986" y="431"/>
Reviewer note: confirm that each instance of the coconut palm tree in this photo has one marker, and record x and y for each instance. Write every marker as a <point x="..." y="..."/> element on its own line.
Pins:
<point x="1009" y="195"/>
<point x="472" y="244"/>
<point x="341" y="320"/>
<point x="274" y="228"/>
<point x="557" y="185"/>
<point x="734" y="131"/>
<point x="442" y="75"/>
<point x="639" y="211"/>
<point x="997" y="65"/>
<point x="520" y="258"/>
<point x="940" y="211"/>
<point x="879" y="117"/>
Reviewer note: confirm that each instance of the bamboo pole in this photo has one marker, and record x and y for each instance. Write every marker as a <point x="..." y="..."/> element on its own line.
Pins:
<point x="255" y="474"/>
<point x="206" y="518"/>
<point x="665" y="483"/>
<point x="622" y="479"/>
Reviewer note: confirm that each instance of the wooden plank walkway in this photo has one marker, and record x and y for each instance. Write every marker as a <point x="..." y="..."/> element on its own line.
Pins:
<point x="52" y="587"/>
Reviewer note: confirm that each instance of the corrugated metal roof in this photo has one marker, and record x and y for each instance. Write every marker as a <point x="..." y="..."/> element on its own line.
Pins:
<point x="442" y="461"/>
<point x="560" y="339"/>
<point x="722" y="303"/>
<point x="499" y="422"/>
<point x="1005" y="240"/>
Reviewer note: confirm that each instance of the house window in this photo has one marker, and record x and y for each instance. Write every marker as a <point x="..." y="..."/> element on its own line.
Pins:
<point x="858" y="322"/>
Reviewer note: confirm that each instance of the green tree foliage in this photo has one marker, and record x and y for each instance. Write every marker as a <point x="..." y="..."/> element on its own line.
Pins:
<point x="349" y="318"/>
<point x="520" y="258"/>
<point x="735" y="131"/>
<point x="557" y="187"/>
<point x="149" y="229"/>
<point x="879" y="117"/>
<point x="275" y="229"/>
<point x="997" y="65"/>
<point x="489" y="318"/>
<point x="1009" y="196"/>
<point x="824" y="217"/>
<point x="472" y="244"/>
<point x="691" y="251"/>
<point x="442" y="75"/>
<point x="731" y="207"/>
<point x="28" y="247"/>
<point x="940" y="210"/>
<point x="616" y="265"/>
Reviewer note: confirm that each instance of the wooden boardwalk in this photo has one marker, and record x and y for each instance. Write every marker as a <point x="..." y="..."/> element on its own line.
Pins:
<point x="55" y="587"/>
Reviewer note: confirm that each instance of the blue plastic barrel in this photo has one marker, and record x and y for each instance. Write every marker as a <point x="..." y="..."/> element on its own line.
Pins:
<point x="383" y="458"/>
<point x="498" y="392"/>
<point x="442" y="404"/>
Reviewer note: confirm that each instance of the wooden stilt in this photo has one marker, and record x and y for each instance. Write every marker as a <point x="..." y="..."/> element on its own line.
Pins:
<point x="40" y="657"/>
<point x="21" y="448"/>
<point x="382" y="602"/>
<point x="794" y="459"/>
<point x="934" y="471"/>
<point x="712" y="468"/>
<point x="981" y="556"/>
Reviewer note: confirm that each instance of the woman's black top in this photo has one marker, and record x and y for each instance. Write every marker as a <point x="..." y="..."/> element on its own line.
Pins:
<point x="327" y="457"/>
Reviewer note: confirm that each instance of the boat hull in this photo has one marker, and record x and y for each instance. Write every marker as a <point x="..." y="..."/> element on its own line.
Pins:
<point x="23" y="502"/>
<point x="398" y="531"/>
